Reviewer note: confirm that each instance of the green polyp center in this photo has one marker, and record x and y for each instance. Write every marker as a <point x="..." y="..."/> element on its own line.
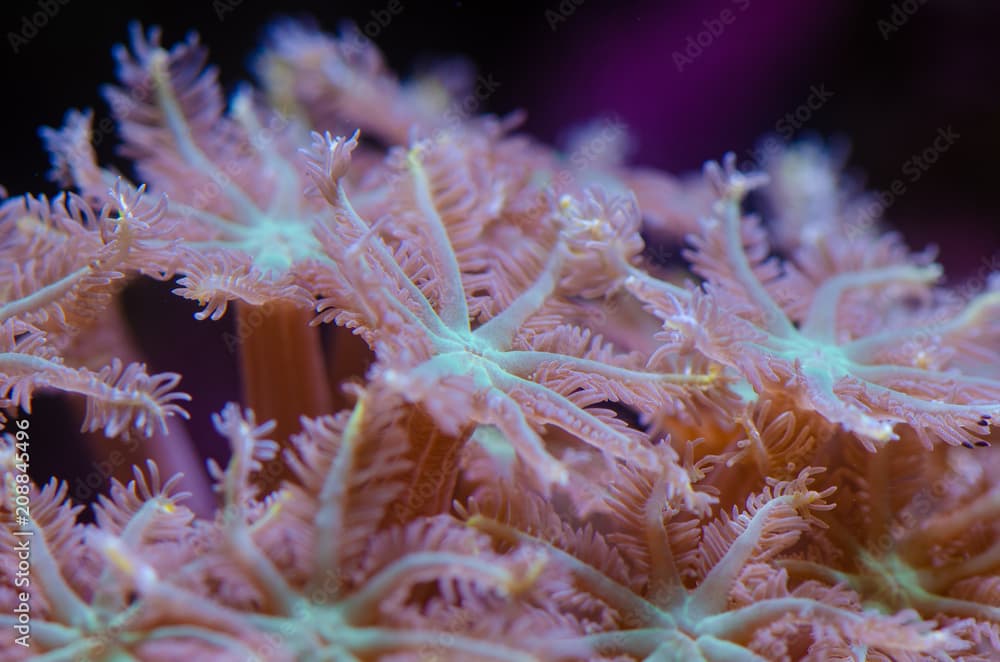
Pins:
<point x="819" y="358"/>
<point x="276" y="245"/>
<point x="894" y="584"/>
<point x="744" y="390"/>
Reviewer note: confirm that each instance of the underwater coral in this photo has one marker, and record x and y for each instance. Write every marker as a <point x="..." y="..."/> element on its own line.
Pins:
<point x="481" y="419"/>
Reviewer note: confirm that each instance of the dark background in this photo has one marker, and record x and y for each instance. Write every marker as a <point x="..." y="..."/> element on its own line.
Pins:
<point x="892" y="90"/>
<point x="899" y="72"/>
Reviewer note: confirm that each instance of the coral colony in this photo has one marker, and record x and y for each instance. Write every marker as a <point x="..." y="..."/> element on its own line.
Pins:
<point x="563" y="447"/>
